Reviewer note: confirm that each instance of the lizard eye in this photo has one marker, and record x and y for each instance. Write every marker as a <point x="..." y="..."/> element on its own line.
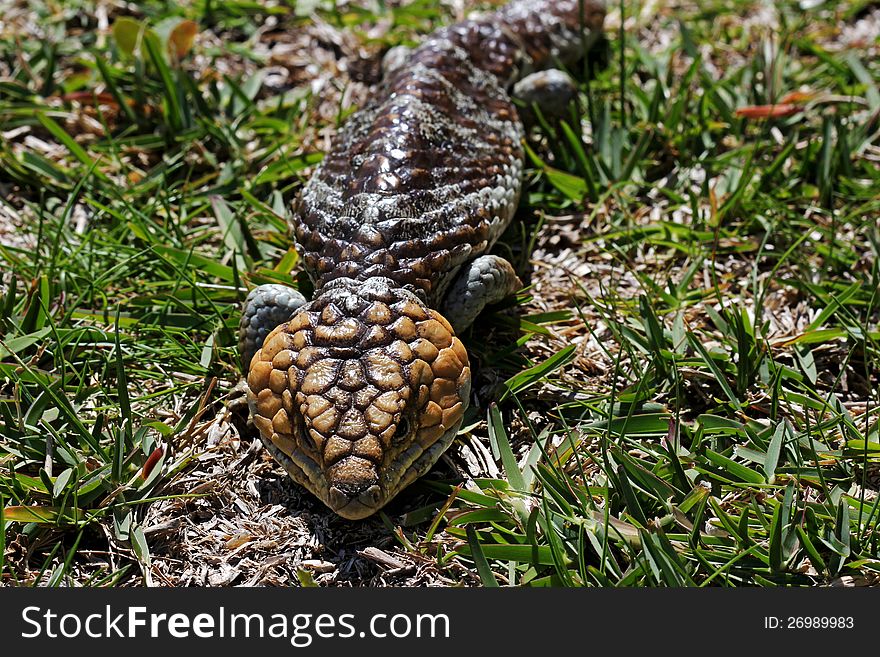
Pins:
<point x="402" y="429"/>
<point x="306" y="437"/>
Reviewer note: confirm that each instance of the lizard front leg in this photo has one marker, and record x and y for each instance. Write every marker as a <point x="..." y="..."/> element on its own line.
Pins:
<point x="483" y="281"/>
<point x="266" y="307"/>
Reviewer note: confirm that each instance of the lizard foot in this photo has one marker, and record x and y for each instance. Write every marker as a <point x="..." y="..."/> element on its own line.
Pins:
<point x="486" y="280"/>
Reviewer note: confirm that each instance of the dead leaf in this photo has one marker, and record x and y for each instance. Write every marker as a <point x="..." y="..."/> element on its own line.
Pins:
<point x="181" y="38"/>
<point x="796" y="98"/>
<point x="90" y="98"/>
<point x="151" y="462"/>
<point x="768" y="111"/>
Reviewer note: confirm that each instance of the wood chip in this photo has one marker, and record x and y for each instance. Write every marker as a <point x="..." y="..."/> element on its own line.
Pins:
<point x="381" y="557"/>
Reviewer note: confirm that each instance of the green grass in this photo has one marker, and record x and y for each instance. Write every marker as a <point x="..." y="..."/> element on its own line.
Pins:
<point x="724" y="439"/>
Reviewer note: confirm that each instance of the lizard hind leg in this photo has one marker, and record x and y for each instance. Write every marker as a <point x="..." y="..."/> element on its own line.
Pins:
<point x="551" y="90"/>
<point x="394" y="59"/>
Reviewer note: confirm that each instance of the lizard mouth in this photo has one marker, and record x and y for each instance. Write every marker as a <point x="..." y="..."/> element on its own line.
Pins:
<point x="359" y="393"/>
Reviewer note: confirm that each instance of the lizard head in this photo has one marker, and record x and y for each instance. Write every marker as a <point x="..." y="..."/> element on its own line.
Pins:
<point x="359" y="393"/>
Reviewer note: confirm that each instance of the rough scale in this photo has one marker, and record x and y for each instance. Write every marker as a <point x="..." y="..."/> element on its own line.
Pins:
<point x="358" y="392"/>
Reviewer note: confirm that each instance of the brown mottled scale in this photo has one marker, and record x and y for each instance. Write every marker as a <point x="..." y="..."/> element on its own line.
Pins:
<point x="427" y="175"/>
<point x="361" y="391"/>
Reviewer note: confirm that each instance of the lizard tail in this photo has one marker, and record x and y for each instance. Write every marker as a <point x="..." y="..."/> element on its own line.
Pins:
<point x="528" y="35"/>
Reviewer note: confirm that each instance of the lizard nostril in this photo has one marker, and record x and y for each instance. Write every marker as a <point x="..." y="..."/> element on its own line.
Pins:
<point x="402" y="429"/>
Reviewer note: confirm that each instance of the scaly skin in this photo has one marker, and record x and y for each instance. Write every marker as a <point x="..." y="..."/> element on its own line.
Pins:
<point x="362" y="390"/>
